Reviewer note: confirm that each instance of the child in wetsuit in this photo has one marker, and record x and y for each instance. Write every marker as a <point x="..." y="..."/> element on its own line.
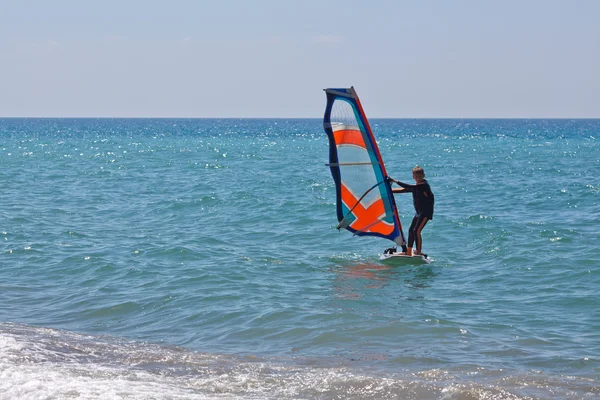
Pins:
<point x="423" y="201"/>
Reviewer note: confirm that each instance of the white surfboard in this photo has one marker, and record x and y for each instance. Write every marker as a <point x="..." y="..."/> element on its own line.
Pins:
<point x="403" y="259"/>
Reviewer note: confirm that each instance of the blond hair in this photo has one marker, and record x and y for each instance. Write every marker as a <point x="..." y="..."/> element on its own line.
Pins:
<point x="418" y="172"/>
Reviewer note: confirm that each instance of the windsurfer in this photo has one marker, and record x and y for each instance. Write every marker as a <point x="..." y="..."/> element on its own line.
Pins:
<point x="423" y="201"/>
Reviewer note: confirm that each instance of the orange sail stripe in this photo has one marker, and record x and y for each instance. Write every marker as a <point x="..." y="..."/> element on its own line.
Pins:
<point x="379" y="227"/>
<point x="349" y="136"/>
<point x="366" y="217"/>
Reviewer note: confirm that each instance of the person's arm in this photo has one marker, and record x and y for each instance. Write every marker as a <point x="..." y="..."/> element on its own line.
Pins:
<point x="405" y="187"/>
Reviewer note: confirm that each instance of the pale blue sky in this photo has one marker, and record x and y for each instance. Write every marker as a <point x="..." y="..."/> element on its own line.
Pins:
<point x="272" y="58"/>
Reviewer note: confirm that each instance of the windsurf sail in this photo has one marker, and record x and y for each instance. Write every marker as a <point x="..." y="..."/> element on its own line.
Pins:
<point x="364" y="201"/>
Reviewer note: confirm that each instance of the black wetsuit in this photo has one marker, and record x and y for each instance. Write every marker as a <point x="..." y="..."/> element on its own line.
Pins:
<point x="423" y="201"/>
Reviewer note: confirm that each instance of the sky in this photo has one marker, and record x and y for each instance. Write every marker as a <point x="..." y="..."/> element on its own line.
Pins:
<point x="272" y="58"/>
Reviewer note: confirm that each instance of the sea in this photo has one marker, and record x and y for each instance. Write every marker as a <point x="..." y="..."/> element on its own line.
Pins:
<point x="199" y="259"/>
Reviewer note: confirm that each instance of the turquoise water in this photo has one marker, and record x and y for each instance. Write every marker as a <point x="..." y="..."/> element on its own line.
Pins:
<point x="198" y="258"/>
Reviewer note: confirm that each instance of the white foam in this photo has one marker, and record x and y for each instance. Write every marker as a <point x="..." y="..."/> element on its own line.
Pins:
<point x="39" y="363"/>
<point x="26" y="372"/>
<point x="51" y="381"/>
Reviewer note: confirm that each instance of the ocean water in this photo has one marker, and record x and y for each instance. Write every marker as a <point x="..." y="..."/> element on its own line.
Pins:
<point x="198" y="259"/>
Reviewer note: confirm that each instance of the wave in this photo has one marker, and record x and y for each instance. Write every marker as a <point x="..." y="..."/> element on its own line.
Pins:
<point x="37" y="362"/>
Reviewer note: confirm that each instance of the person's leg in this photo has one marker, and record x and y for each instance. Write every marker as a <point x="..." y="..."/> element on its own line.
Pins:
<point x="422" y="221"/>
<point x="411" y="236"/>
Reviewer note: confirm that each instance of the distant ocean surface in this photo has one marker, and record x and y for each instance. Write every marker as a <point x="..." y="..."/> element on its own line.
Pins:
<point x="198" y="259"/>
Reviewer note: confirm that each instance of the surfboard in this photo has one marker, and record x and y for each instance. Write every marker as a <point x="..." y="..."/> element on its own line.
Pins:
<point x="402" y="259"/>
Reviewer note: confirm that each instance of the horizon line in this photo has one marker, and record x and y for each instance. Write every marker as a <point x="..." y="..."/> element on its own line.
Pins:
<point x="284" y="118"/>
